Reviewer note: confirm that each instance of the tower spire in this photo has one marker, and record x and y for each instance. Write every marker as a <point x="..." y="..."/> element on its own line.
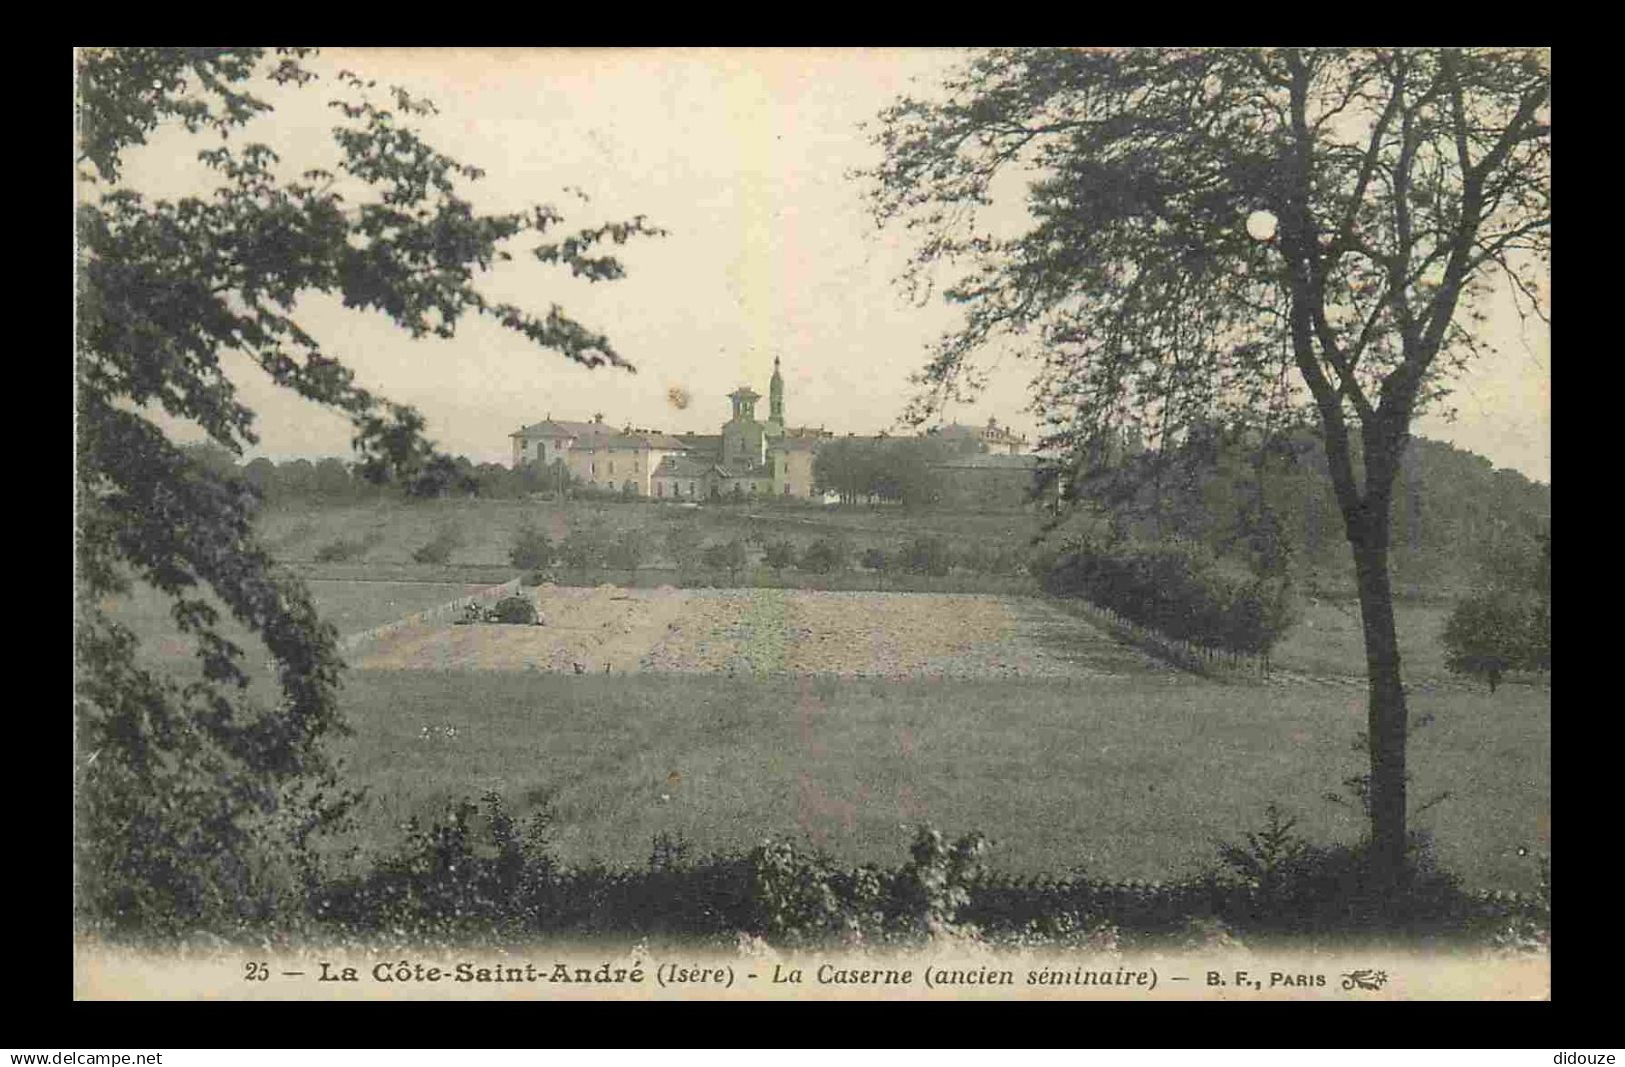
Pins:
<point x="775" y="401"/>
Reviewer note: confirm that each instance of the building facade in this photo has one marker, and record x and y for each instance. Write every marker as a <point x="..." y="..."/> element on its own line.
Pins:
<point x="753" y="458"/>
<point x="597" y="454"/>
<point x="750" y="457"/>
<point x="992" y="438"/>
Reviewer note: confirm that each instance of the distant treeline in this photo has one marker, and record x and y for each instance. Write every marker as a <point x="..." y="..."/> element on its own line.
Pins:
<point x="860" y="470"/>
<point x="1271" y="506"/>
<point x="333" y="480"/>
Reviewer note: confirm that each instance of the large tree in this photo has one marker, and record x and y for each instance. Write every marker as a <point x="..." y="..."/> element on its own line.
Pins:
<point x="1235" y="236"/>
<point x="175" y="776"/>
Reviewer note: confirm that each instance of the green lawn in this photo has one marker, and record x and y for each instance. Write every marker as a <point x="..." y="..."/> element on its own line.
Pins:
<point x="350" y="606"/>
<point x="356" y="606"/>
<point x="1327" y="639"/>
<point x="1124" y="779"/>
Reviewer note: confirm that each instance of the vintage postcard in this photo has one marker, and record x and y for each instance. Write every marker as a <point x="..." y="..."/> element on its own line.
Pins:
<point x="825" y="523"/>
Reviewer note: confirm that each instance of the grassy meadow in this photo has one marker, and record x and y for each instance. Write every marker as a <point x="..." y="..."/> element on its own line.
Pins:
<point x="1327" y="639"/>
<point x="485" y="528"/>
<point x="1126" y="777"/>
<point x="351" y="606"/>
<point x="1120" y="777"/>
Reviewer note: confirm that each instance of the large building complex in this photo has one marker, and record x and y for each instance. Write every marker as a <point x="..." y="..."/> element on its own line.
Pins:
<point x="749" y="456"/>
<point x="757" y="458"/>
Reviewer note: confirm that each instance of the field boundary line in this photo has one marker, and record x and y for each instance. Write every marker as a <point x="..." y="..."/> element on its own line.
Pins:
<point x="451" y="608"/>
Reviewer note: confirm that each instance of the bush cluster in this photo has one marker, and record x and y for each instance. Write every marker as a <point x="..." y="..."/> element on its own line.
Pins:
<point x="1177" y="592"/>
<point x="439" y="550"/>
<point x="532" y="549"/>
<point x="582" y="549"/>
<point x="514" y="609"/>
<point x="779" y="554"/>
<point x="342" y="550"/>
<point x="478" y="875"/>
<point x="826" y="555"/>
<point x="1492" y="633"/>
<point x="627" y="550"/>
<point x="724" y="555"/>
<point x="930" y="554"/>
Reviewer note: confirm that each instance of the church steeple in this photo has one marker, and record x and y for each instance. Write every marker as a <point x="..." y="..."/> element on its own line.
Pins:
<point x="775" y="401"/>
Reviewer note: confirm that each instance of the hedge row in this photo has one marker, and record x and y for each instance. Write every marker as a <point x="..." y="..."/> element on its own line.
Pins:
<point x="1177" y="592"/>
<point x="479" y="876"/>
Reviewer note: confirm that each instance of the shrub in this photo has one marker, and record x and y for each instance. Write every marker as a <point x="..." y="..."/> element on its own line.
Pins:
<point x="341" y="550"/>
<point x="439" y="550"/>
<point x="532" y="549"/>
<point x="628" y="551"/>
<point x="684" y="544"/>
<point x="930" y="554"/>
<point x="471" y="875"/>
<point x="1292" y="886"/>
<point x="514" y="609"/>
<point x="477" y="875"/>
<point x="1491" y="633"/>
<point x="779" y="554"/>
<point x="795" y="895"/>
<point x="875" y="559"/>
<point x="1175" y="590"/>
<point x="725" y="555"/>
<point x="936" y="883"/>
<point x="826" y="555"/>
<point x="581" y="550"/>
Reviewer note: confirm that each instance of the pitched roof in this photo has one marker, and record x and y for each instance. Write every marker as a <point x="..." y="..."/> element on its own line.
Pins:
<point x="558" y="428"/>
<point x="601" y="435"/>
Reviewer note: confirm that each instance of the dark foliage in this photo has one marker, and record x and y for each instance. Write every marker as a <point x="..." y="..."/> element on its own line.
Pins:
<point x="725" y="555"/>
<point x="1236" y="236"/>
<point x="479" y="876"/>
<point x="178" y="786"/>
<point x="531" y="549"/>
<point x="826" y="555"/>
<point x="1177" y="592"/>
<point x="513" y="609"/>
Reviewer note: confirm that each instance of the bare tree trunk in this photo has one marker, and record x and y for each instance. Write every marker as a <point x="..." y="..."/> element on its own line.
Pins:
<point x="1386" y="714"/>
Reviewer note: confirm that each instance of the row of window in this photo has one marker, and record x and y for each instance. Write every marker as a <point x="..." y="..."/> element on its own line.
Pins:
<point x="677" y="488"/>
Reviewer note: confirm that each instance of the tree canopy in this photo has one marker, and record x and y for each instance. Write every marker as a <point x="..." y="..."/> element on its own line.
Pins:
<point x="1264" y="237"/>
<point x="891" y="469"/>
<point x="171" y="774"/>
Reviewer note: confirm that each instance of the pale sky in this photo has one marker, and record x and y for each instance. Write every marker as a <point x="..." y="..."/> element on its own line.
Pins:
<point x="742" y="155"/>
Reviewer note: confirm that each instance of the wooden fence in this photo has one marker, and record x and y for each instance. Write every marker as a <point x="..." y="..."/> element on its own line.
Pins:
<point x="452" y="609"/>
